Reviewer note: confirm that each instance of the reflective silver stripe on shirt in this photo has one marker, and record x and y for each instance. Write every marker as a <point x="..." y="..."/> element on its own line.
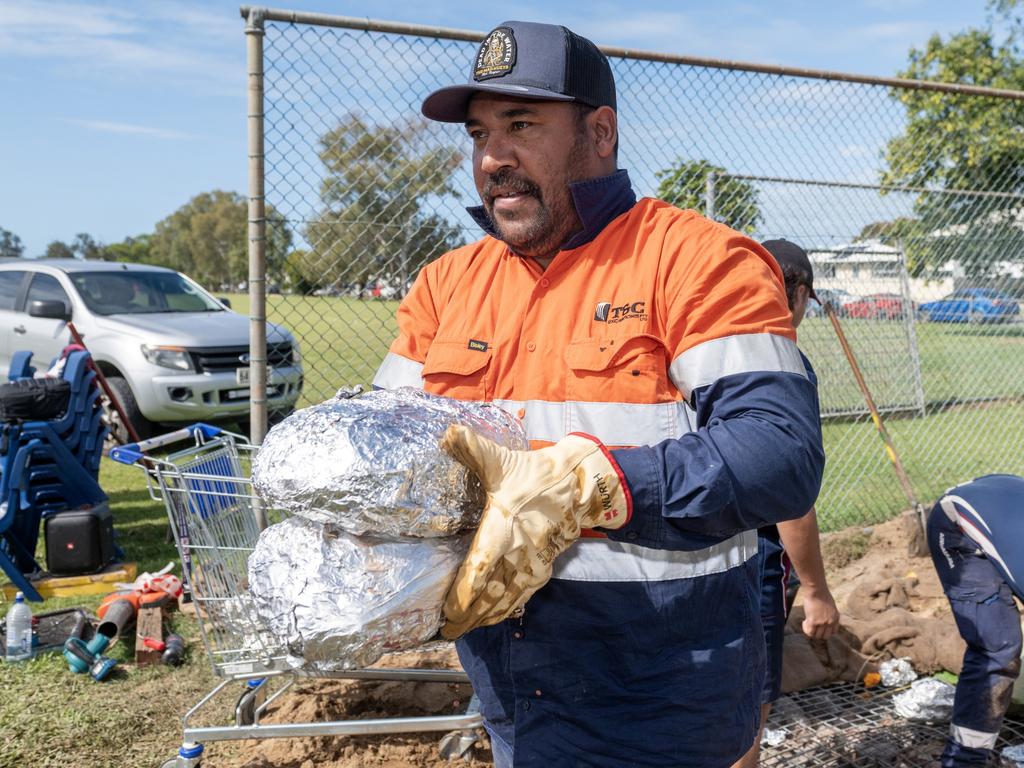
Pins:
<point x="606" y="560"/>
<point x="611" y="423"/>
<point x="744" y="353"/>
<point x="968" y="737"/>
<point x="397" y="371"/>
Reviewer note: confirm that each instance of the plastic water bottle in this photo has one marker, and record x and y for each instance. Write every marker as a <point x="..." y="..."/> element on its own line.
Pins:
<point x="19" y="630"/>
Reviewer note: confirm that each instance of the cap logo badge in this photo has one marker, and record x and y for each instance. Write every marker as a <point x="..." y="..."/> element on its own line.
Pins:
<point x="497" y="55"/>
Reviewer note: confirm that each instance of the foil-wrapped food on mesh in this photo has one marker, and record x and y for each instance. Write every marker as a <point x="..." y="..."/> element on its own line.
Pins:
<point x="336" y="601"/>
<point x="371" y="464"/>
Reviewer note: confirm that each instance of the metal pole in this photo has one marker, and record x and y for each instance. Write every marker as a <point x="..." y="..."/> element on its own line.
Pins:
<point x="257" y="232"/>
<point x="257" y="246"/>
<point x="910" y="325"/>
<point x="709" y="196"/>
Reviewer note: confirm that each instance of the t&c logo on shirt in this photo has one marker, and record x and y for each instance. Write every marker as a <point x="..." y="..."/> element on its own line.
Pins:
<point x="631" y="310"/>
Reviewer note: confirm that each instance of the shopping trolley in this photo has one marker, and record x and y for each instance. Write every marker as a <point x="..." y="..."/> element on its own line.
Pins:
<point x="216" y="519"/>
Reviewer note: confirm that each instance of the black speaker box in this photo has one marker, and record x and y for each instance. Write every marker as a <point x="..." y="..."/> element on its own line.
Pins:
<point x="79" y="541"/>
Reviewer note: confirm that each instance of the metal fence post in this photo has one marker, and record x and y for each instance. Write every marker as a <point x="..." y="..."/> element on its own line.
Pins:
<point x="257" y="244"/>
<point x="257" y="231"/>
<point x="709" y="195"/>
<point x="910" y="323"/>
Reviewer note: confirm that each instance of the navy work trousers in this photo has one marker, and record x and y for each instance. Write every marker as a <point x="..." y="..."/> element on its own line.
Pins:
<point x="987" y="617"/>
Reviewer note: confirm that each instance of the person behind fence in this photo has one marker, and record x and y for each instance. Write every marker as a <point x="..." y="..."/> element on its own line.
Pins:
<point x="976" y="539"/>
<point x="651" y="357"/>
<point x="792" y="543"/>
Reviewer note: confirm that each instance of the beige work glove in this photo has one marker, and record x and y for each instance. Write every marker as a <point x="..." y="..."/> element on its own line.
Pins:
<point x="537" y="501"/>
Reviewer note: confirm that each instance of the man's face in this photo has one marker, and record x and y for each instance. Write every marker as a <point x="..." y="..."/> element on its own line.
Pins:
<point x="525" y="155"/>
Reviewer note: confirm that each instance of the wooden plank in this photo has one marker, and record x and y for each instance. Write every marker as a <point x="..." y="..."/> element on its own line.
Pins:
<point x="149" y="624"/>
<point x="69" y="586"/>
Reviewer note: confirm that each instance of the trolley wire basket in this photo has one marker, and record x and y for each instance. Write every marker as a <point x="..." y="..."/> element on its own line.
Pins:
<point x="216" y="519"/>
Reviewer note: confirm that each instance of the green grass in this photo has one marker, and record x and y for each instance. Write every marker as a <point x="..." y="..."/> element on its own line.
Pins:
<point x="51" y="718"/>
<point x="937" y="451"/>
<point x="342" y="340"/>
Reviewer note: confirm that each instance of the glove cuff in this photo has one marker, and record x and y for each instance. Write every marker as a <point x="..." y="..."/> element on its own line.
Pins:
<point x="605" y="489"/>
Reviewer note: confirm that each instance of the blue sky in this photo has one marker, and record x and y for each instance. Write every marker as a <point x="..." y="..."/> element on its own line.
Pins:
<point x="114" y="114"/>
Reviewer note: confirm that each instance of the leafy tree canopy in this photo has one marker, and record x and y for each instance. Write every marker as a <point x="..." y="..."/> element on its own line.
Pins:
<point x="379" y="185"/>
<point x="207" y="238"/>
<point x="685" y="185"/>
<point x="10" y="245"/>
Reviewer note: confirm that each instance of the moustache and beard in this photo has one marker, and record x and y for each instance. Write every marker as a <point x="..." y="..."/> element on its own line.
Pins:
<point x="540" y="230"/>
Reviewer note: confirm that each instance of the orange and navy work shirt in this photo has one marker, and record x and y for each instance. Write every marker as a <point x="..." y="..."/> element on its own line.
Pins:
<point x="619" y="338"/>
<point x="667" y="337"/>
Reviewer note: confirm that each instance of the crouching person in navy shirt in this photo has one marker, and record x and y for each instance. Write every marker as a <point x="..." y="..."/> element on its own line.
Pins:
<point x="976" y="538"/>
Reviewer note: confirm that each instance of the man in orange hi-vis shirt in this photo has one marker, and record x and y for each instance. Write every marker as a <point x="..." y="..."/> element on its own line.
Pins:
<point x="607" y="612"/>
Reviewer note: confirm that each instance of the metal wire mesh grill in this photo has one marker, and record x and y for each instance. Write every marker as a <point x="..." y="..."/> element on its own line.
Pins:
<point x="895" y="210"/>
<point x="845" y="726"/>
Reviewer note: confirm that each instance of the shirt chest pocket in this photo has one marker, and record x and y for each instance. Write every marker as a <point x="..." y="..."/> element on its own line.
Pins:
<point x="454" y="370"/>
<point x="631" y="369"/>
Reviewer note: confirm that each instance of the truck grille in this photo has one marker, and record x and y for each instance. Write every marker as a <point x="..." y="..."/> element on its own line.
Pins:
<point x="220" y="359"/>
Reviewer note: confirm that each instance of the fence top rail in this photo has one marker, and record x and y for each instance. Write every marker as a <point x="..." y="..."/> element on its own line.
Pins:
<point x="398" y="28"/>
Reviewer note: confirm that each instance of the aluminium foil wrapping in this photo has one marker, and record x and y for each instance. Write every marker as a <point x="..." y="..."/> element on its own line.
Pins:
<point x="371" y="464"/>
<point x="927" y="701"/>
<point x="897" y="672"/>
<point x="335" y="601"/>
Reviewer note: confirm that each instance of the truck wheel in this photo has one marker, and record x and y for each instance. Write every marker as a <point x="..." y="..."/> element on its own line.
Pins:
<point x="143" y="426"/>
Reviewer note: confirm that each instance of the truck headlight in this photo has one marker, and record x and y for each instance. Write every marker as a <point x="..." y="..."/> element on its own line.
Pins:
<point x="168" y="357"/>
<point x="296" y="354"/>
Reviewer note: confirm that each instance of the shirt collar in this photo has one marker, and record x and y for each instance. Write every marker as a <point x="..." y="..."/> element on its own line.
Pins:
<point x="597" y="202"/>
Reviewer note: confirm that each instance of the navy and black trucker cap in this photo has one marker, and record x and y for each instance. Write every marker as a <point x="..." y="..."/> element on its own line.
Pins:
<point x="524" y="60"/>
<point x="792" y="255"/>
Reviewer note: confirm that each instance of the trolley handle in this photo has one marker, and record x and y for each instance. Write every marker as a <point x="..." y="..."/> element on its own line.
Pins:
<point x="133" y="452"/>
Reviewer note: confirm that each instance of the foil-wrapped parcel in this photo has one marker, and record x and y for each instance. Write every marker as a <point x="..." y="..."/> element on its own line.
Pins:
<point x="377" y="521"/>
<point x="336" y="601"/>
<point x="371" y="464"/>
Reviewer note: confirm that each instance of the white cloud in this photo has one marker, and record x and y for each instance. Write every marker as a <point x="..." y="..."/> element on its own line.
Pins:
<point x="178" y="42"/>
<point x="105" y="126"/>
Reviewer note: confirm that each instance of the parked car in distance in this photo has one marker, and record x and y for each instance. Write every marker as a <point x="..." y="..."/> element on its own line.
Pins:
<point x="837" y="297"/>
<point x="972" y="305"/>
<point x="879" y="306"/>
<point x="172" y="353"/>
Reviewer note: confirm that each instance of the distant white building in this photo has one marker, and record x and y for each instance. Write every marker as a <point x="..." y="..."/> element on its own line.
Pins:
<point x="869" y="267"/>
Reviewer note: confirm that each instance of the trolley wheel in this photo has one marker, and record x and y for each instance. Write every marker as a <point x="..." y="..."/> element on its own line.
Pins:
<point x="245" y="709"/>
<point x="457" y="744"/>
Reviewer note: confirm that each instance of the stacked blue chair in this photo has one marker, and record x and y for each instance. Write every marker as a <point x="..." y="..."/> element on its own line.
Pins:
<point x="47" y="467"/>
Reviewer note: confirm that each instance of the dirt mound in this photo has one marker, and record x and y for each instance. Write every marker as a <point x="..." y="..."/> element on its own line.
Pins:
<point x="321" y="700"/>
<point x="891" y="604"/>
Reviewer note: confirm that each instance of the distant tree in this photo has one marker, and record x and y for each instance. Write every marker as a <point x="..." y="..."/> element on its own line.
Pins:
<point x="303" y="273"/>
<point x="86" y="247"/>
<point x="684" y="185"/>
<point x="955" y="147"/>
<point x="10" y="245"/>
<point x="376" y="193"/>
<point x="131" y="250"/>
<point x="208" y="239"/>
<point x="58" y="250"/>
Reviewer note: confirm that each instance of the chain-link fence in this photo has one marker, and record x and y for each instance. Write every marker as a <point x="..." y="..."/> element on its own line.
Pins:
<point x="906" y="197"/>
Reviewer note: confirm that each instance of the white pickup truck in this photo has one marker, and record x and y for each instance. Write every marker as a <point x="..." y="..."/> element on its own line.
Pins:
<point x="172" y="352"/>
